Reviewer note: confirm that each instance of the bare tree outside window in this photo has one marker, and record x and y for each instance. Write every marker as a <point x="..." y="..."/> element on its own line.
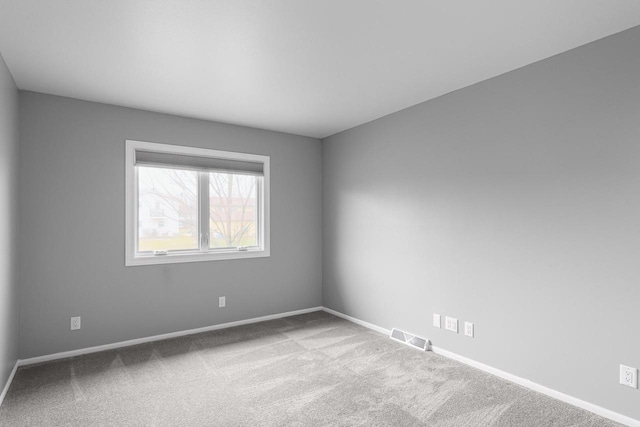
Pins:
<point x="233" y="206"/>
<point x="167" y="209"/>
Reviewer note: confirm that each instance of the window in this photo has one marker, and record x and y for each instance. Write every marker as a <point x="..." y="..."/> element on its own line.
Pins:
<point x="187" y="204"/>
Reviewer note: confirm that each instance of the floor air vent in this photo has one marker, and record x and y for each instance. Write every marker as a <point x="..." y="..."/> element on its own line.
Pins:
<point x="408" y="339"/>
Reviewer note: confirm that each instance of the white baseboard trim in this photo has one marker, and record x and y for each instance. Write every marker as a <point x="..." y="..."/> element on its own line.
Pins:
<point x="598" y="410"/>
<point x="95" y="349"/>
<point x="358" y="321"/>
<point x="9" y="380"/>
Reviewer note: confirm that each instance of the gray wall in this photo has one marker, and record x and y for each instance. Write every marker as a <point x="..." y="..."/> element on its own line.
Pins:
<point x="8" y="223"/>
<point x="513" y="204"/>
<point x="72" y="230"/>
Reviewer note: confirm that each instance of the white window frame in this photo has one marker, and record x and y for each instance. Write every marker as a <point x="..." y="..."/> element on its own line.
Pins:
<point x="133" y="258"/>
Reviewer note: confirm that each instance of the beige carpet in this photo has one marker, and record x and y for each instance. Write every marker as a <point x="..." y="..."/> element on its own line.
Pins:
<point x="308" y="370"/>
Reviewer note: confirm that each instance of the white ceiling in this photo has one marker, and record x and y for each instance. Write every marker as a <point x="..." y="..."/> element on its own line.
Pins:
<point x="308" y="67"/>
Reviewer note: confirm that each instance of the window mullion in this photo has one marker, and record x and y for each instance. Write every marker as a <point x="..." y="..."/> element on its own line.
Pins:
<point x="203" y="210"/>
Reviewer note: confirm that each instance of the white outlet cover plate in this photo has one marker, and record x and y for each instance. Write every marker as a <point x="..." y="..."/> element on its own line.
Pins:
<point x="436" y="320"/>
<point x="629" y="376"/>
<point x="75" y="323"/>
<point x="222" y="302"/>
<point x="468" y="329"/>
<point x="451" y="324"/>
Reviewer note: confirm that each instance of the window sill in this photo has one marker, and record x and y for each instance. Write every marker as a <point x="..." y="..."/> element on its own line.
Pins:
<point x="194" y="257"/>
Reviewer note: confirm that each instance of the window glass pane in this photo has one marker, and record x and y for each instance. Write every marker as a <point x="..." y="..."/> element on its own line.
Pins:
<point x="233" y="205"/>
<point x="167" y="209"/>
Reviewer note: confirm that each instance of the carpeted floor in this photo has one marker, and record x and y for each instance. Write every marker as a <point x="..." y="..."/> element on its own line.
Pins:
<point x="308" y="370"/>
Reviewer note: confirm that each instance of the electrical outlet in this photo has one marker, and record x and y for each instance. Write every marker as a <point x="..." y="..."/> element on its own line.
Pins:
<point x="436" y="320"/>
<point x="629" y="376"/>
<point x="75" y="323"/>
<point x="451" y="324"/>
<point x="468" y="329"/>
<point x="222" y="302"/>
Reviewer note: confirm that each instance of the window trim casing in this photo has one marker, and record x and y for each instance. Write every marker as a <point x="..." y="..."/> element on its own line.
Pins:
<point x="131" y="207"/>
